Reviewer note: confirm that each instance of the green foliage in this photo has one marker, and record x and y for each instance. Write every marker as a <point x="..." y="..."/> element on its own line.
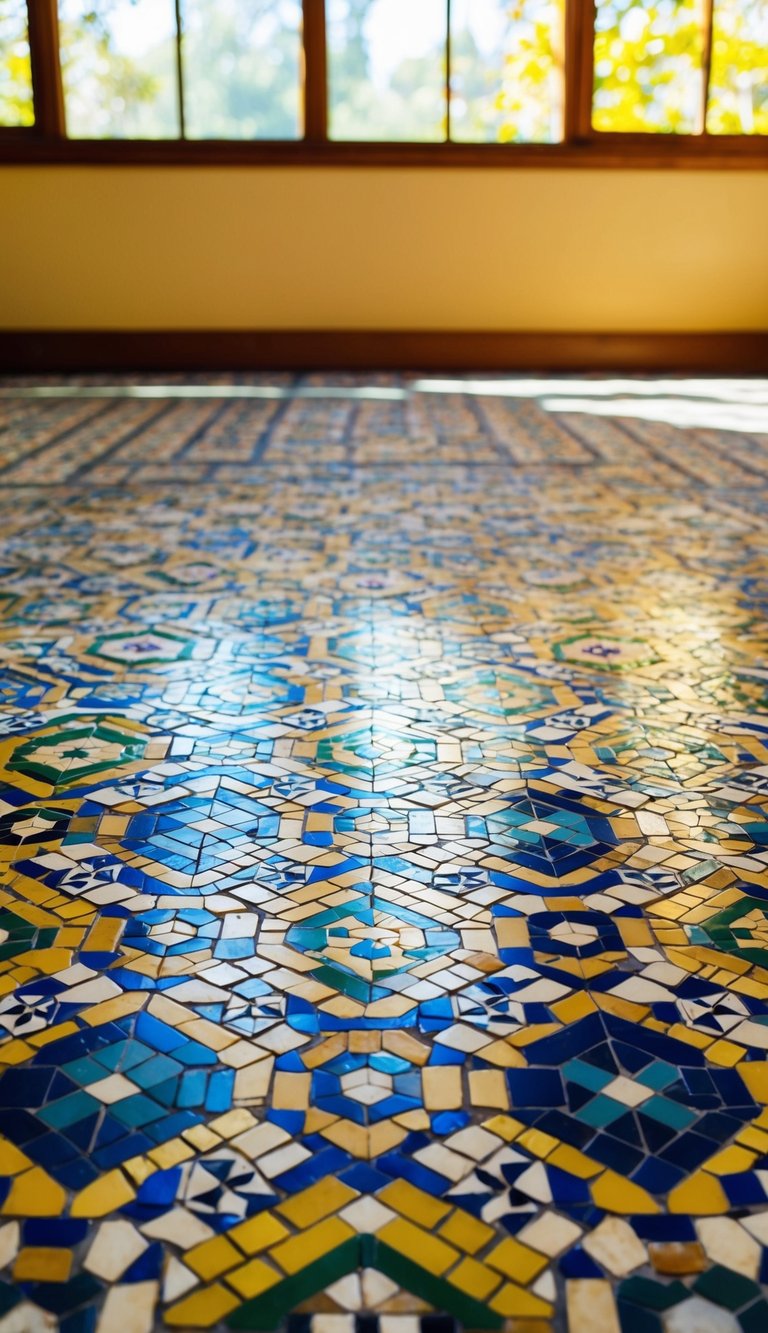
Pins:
<point x="16" y="107"/>
<point x="648" y="60"/>
<point x="532" y="94"/>
<point x="648" y="66"/>
<point x="738" y="101"/>
<point x="242" y="71"/>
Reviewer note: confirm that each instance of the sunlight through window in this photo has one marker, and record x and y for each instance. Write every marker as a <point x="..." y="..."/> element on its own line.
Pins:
<point x="507" y="71"/>
<point x="648" y="66"/>
<point x="386" y="67"/>
<point x="16" y="105"/>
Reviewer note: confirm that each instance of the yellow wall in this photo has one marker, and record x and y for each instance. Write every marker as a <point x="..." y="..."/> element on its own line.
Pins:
<point x="150" y="247"/>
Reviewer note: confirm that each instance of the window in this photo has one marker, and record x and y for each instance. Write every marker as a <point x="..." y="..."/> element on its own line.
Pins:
<point x="16" y="102"/>
<point x="493" y="81"/>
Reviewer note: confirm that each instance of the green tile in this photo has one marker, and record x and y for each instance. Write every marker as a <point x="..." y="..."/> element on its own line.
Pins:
<point x="655" y="1295"/>
<point x="725" y="1287"/>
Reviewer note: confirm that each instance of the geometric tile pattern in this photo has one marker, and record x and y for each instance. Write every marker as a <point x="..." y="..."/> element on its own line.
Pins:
<point x="383" y="866"/>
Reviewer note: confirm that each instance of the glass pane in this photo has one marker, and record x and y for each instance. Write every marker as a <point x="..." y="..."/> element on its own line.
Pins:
<point x="242" y="69"/>
<point x="507" y="70"/>
<point x="118" y="60"/>
<point x="738" y="84"/>
<point x="386" y="69"/>
<point x="16" y="106"/>
<point x="648" y="66"/>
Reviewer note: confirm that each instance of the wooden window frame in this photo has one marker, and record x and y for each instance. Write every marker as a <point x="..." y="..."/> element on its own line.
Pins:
<point x="46" y="141"/>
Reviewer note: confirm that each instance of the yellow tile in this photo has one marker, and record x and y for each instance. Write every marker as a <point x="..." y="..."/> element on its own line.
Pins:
<point x="320" y="1055"/>
<point x="258" y="1233"/>
<point x="12" y="1159"/>
<point x="571" y="1160"/>
<point x="403" y="1044"/>
<point x="701" y="1194"/>
<point x="441" y="1086"/>
<point x="690" y="1036"/>
<point x="212" y="1257"/>
<point x="171" y="1153"/>
<point x="488" y="1087"/>
<point x="413" y="1120"/>
<point x="410" y="1240"/>
<point x="515" y="1303"/>
<point x="206" y="1032"/>
<point x="617" y="1195"/>
<point x="69" y="937"/>
<point x="752" y="1137"/>
<point x="364" y="1042"/>
<point x="533" y="1032"/>
<point x="290" y="1092"/>
<point x="294" y="1254"/>
<point x="731" y="1160"/>
<point x="327" y="1196"/>
<point x="383" y="1137"/>
<point x="626" y="1009"/>
<point x="52" y="1034"/>
<point x="34" y="1194"/>
<point x="635" y="932"/>
<point x="315" y="1121"/>
<point x="474" y="1279"/>
<point x="501" y="1053"/>
<point x="516" y="1260"/>
<point x="537" y="1142"/>
<point x="512" y="932"/>
<point x="466" y="1231"/>
<point x="105" y="933"/>
<point x="573" y="1007"/>
<point x="138" y="1169"/>
<point x="414" y="1203"/>
<point x="725" y="1053"/>
<point x="232" y="1123"/>
<point x="253" y="1278"/>
<point x="203" y="1308"/>
<point x="103" y="1196"/>
<point x="111" y="1011"/>
<point x="505" y="1126"/>
<point x="349" y="1136"/>
<point x="42" y="1264"/>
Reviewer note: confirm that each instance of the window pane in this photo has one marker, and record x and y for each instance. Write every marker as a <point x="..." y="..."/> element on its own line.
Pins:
<point x="386" y="69"/>
<point x="242" y="69"/>
<point x="738" y="84"/>
<point x="507" y="71"/>
<point x="118" y="62"/>
<point x="648" y="65"/>
<point x="16" y="107"/>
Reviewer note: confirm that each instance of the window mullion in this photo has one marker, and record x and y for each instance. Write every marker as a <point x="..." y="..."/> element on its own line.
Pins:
<point x="708" y="20"/>
<point x="315" y="72"/>
<point x="579" y="56"/>
<point x="43" y="20"/>
<point x="180" y="71"/>
<point x="448" y="70"/>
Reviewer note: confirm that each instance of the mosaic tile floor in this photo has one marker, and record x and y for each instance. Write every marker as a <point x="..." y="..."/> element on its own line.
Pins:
<point x="383" y="859"/>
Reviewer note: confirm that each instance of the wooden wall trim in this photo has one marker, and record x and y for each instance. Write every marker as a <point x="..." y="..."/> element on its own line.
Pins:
<point x="30" y="351"/>
<point x="621" y="152"/>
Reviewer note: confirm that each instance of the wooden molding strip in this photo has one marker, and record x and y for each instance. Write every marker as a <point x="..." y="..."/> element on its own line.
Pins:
<point x="625" y="152"/>
<point x="362" y="349"/>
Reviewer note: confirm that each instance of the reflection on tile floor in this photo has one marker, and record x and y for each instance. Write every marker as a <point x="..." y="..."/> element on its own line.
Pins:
<point x="383" y="867"/>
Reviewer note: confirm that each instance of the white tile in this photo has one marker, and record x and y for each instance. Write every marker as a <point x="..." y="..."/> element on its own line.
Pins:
<point x="615" y="1247"/>
<point x="116" y="1245"/>
<point x="129" y="1309"/>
